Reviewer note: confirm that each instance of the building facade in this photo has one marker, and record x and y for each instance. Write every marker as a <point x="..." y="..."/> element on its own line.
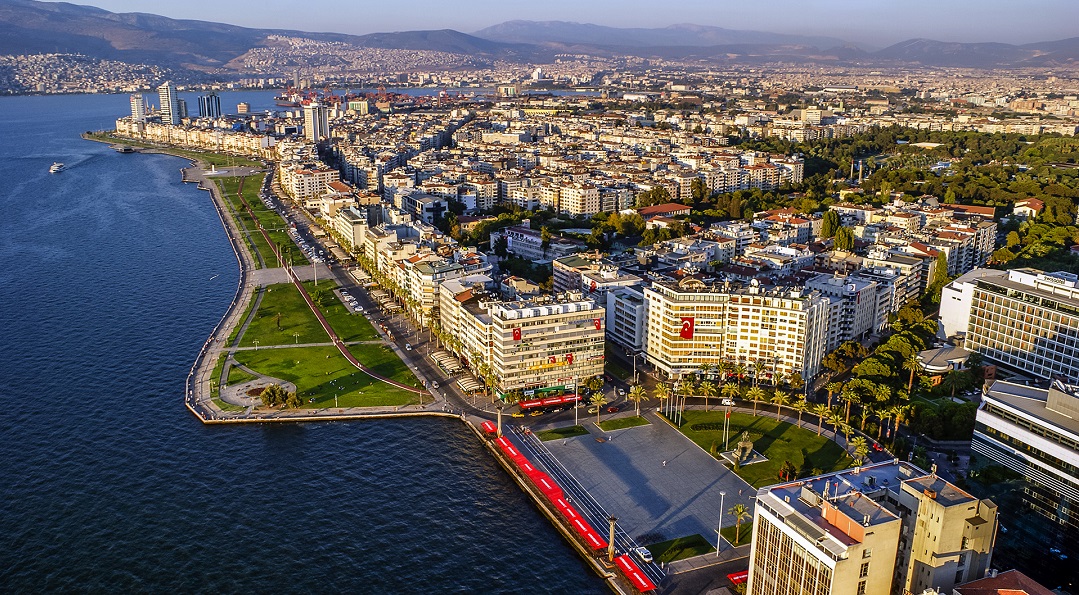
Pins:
<point x="170" y="106"/>
<point x="691" y="324"/>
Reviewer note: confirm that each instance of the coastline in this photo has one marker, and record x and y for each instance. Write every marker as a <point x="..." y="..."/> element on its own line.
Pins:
<point x="198" y="400"/>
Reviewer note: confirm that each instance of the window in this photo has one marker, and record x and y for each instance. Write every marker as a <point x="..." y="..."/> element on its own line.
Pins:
<point x="861" y="587"/>
<point x="865" y="570"/>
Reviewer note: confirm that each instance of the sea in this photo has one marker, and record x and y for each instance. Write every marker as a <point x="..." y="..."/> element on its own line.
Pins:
<point x="112" y="275"/>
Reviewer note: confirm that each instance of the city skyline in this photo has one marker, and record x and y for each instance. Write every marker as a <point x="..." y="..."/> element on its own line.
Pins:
<point x="874" y="25"/>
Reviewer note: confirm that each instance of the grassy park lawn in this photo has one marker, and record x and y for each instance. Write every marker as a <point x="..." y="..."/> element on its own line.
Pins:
<point x="348" y="326"/>
<point x="298" y="324"/>
<point x="236" y="329"/>
<point x="622" y="422"/>
<point x="322" y="372"/>
<point x="236" y="376"/>
<point x="228" y="406"/>
<point x="779" y="441"/>
<point x="680" y="548"/>
<point x="558" y="433"/>
<point x="215" y="390"/>
<point x="382" y="360"/>
<point x="744" y="534"/>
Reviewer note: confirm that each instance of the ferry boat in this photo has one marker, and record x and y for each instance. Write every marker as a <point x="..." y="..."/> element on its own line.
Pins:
<point x="56" y="168"/>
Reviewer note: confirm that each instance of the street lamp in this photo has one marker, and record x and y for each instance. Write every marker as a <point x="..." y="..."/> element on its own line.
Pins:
<point x="297" y="336"/>
<point x="719" y="531"/>
<point x="610" y="544"/>
<point x="256" y="345"/>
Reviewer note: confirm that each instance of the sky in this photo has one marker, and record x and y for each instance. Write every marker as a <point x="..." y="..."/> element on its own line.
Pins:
<point x="876" y="23"/>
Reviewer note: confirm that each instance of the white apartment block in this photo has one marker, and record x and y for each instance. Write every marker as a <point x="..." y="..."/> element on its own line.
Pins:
<point x="855" y="309"/>
<point x="786" y="329"/>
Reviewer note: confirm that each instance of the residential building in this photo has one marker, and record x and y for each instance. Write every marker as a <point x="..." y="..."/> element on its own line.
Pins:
<point x="1035" y="432"/>
<point x="351" y="225"/>
<point x="874" y="530"/>
<point x="691" y="324"/>
<point x="627" y="318"/>
<point x="527" y="243"/>
<point x="855" y="308"/>
<point x="170" y="107"/>
<point x="1009" y="582"/>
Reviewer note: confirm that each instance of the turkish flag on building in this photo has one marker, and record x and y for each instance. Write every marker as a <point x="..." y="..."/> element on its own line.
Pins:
<point x="687" y="327"/>
<point x="551" y="359"/>
<point x="592" y="287"/>
<point x="569" y="358"/>
<point x="517" y="334"/>
<point x="599" y="323"/>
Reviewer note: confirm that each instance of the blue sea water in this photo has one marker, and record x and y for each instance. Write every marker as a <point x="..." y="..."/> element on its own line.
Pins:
<point x="107" y="291"/>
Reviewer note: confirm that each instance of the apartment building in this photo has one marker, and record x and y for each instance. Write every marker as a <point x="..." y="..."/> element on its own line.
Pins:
<point x="691" y="324"/>
<point x="855" y="309"/>
<point x="1035" y="432"/>
<point x="1026" y="319"/>
<point x="302" y="182"/>
<point x="528" y="243"/>
<point x="875" y="530"/>
<point x="545" y="345"/>
<point x="351" y="225"/>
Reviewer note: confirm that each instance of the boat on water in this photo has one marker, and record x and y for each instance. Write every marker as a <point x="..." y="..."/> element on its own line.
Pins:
<point x="56" y="167"/>
<point x="123" y="149"/>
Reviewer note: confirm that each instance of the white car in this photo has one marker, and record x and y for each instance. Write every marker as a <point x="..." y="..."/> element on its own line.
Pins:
<point x="727" y="402"/>
<point x="643" y="554"/>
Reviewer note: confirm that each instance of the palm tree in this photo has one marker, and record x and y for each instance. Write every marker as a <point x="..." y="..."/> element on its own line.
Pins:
<point x="740" y="512"/>
<point x="687" y="389"/>
<point x="739" y="371"/>
<point x="849" y="396"/>
<point x="867" y="410"/>
<point x="833" y="388"/>
<point x="755" y="394"/>
<point x="729" y="390"/>
<point x="860" y="448"/>
<point x="663" y="392"/>
<point x="725" y="368"/>
<point x="801" y="407"/>
<point x="901" y="411"/>
<point x="913" y="365"/>
<point x="637" y="394"/>
<point x="704" y="370"/>
<point x="598" y="400"/>
<point x="779" y="399"/>
<point x="707" y="389"/>
<point x="821" y="411"/>
<point x="758" y="371"/>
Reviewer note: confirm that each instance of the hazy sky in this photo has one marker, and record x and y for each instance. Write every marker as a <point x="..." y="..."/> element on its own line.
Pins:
<point x="876" y="22"/>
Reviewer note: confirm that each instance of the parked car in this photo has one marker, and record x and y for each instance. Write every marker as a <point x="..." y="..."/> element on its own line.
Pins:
<point x="408" y="346"/>
<point x="434" y="384"/>
<point x="727" y="403"/>
<point x="621" y="392"/>
<point x="614" y="408"/>
<point x="517" y="414"/>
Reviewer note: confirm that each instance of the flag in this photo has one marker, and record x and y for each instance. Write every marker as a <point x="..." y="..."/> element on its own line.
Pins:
<point x="551" y="359"/>
<point x="569" y="358"/>
<point x="728" y="414"/>
<point x="599" y="323"/>
<point x="592" y="287"/>
<point x="517" y="334"/>
<point x="687" y="327"/>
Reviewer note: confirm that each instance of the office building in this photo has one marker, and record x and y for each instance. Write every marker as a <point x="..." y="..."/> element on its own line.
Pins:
<point x="209" y="106"/>
<point x="691" y="324"/>
<point x="876" y="530"/>
<point x="316" y="124"/>
<point x="138" y="107"/>
<point x="1022" y="319"/>
<point x="170" y="106"/>
<point x="1035" y="432"/>
<point x="541" y="346"/>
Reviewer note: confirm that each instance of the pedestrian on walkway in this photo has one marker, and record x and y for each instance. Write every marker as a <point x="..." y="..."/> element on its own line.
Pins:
<point x="664" y="463"/>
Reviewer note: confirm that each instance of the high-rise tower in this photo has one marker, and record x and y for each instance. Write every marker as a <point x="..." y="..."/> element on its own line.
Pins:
<point x="138" y="107"/>
<point x="170" y="108"/>
<point x="316" y="125"/>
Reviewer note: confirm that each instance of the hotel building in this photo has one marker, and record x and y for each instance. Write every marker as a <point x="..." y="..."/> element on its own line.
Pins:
<point x="876" y="530"/>
<point x="1023" y="319"/>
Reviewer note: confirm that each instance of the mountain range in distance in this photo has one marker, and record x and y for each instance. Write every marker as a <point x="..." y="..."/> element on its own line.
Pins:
<point x="28" y="27"/>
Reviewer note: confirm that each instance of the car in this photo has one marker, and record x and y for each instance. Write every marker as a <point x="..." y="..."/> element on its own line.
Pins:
<point x="643" y="554"/>
<point x="434" y="384"/>
<point x="621" y="392"/>
<point x="877" y="447"/>
<point x="408" y="346"/>
<point x="727" y="402"/>
<point x="537" y="412"/>
<point x="614" y="408"/>
<point x="593" y="409"/>
<point x="517" y="414"/>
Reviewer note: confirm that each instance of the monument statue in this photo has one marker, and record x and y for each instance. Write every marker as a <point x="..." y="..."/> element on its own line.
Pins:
<point x="745" y="448"/>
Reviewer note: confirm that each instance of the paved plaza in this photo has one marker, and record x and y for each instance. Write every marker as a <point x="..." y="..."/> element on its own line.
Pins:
<point x="657" y="482"/>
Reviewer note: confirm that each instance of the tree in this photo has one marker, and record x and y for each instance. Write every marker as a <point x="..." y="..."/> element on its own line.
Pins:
<point x="833" y="388"/>
<point x="913" y="364"/>
<point x="801" y="407"/>
<point x="598" y="400"/>
<point x="755" y="394"/>
<point x="821" y="411"/>
<point x="779" y="399"/>
<point x="787" y="471"/>
<point x="949" y="197"/>
<point x="595" y="384"/>
<point x="758" y="371"/>
<point x="707" y="389"/>
<point x="860" y="448"/>
<point x="545" y="239"/>
<point x="729" y="390"/>
<point x="1012" y="239"/>
<point x="663" y="392"/>
<point x="829" y="224"/>
<point x="740" y="512"/>
<point x="844" y="239"/>
<point x="796" y="382"/>
<point x="637" y="394"/>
